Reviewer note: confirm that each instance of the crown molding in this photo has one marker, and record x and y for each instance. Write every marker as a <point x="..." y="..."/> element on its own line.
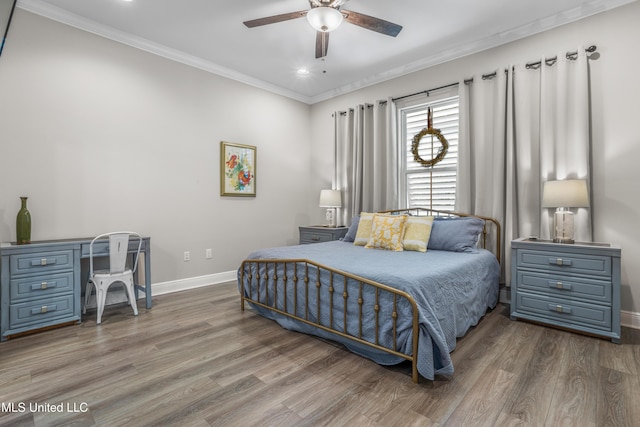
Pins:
<point x="55" y="13"/>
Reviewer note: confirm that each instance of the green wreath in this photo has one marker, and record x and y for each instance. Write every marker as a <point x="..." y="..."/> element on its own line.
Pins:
<point x="441" y="152"/>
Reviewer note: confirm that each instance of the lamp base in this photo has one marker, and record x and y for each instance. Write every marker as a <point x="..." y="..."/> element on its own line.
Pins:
<point x="330" y="217"/>
<point x="563" y="226"/>
<point x="566" y="241"/>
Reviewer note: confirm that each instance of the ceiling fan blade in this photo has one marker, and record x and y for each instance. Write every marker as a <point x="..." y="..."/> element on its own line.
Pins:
<point x="275" y="18"/>
<point x="371" y="23"/>
<point x="322" y="44"/>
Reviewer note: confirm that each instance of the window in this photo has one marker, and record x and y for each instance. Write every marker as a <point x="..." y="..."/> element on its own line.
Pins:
<point x="423" y="186"/>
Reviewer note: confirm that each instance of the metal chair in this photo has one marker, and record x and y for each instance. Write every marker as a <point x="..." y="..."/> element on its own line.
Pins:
<point x="118" y="270"/>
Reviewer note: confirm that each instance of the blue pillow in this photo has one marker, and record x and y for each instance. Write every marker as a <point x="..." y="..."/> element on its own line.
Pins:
<point x="353" y="230"/>
<point x="455" y="234"/>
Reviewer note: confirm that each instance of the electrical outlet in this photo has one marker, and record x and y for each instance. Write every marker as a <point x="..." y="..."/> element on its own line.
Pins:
<point x="187" y="256"/>
<point x="208" y="254"/>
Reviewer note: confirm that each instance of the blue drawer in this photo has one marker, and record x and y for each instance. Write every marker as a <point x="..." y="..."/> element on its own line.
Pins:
<point x="565" y="286"/>
<point x="590" y="265"/>
<point x="40" y="286"/>
<point x="311" y="237"/>
<point x="101" y="247"/>
<point x="559" y="311"/>
<point x="41" y="311"/>
<point x="41" y="262"/>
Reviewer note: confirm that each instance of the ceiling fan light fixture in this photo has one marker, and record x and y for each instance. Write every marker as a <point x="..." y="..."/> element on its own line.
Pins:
<point x="324" y="18"/>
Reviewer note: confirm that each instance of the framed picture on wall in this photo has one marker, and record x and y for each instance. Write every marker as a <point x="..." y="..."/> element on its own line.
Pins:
<point x="237" y="170"/>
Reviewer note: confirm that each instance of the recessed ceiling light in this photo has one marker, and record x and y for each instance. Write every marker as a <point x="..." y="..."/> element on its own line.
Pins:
<point x="303" y="71"/>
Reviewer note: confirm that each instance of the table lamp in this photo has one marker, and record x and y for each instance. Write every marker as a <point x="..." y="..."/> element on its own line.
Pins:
<point x="565" y="194"/>
<point x="330" y="199"/>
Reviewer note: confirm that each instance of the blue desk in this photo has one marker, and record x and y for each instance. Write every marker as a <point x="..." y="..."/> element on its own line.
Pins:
<point x="41" y="283"/>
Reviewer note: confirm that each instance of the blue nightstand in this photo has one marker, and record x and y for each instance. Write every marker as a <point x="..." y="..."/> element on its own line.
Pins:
<point x="572" y="286"/>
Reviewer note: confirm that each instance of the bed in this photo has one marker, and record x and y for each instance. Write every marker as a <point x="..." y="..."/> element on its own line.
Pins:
<point x="389" y="306"/>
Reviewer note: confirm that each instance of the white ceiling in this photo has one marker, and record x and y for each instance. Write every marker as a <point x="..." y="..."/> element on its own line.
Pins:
<point x="209" y="34"/>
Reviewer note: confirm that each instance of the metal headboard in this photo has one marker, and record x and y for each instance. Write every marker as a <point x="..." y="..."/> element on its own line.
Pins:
<point x="491" y="226"/>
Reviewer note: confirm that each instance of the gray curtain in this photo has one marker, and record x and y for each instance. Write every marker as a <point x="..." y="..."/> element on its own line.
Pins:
<point x="482" y="147"/>
<point x="524" y="126"/>
<point x="366" y="159"/>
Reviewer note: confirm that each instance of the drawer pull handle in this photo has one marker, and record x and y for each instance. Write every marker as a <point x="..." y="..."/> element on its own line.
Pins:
<point x="560" y="261"/>
<point x="560" y="308"/>
<point x="43" y="286"/>
<point x="43" y="262"/>
<point x="560" y="285"/>
<point x="44" y="309"/>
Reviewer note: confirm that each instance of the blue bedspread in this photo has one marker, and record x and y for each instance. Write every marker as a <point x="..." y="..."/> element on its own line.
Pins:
<point x="452" y="290"/>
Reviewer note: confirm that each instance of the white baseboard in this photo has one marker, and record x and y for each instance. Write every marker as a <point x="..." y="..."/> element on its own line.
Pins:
<point x="193" y="282"/>
<point x="629" y="319"/>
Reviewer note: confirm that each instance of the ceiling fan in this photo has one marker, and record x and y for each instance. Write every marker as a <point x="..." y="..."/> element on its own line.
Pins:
<point x="325" y="16"/>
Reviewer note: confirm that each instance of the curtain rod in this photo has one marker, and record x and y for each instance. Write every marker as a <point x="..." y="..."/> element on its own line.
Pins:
<point x="552" y="60"/>
<point x="528" y="65"/>
<point x="427" y="92"/>
<point x="548" y="61"/>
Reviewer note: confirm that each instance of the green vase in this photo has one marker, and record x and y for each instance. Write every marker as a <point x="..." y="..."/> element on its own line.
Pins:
<point x="23" y="224"/>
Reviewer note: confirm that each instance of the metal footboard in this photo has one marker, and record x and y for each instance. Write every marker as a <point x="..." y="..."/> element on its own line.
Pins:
<point x="293" y="288"/>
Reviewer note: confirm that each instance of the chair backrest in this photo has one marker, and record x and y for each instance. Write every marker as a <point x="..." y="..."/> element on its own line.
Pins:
<point x="118" y="249"/>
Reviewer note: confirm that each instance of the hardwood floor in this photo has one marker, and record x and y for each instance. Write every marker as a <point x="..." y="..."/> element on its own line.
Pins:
<point x="195" y="359"/>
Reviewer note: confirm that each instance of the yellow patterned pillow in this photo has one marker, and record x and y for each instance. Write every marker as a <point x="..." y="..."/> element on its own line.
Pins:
<point x="416" y="233"/>
<point x="387" y="232"/>
<point x="364" y="229"/>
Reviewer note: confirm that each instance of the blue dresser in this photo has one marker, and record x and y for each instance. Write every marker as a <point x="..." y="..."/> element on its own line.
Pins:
<point x="572" y="286"/>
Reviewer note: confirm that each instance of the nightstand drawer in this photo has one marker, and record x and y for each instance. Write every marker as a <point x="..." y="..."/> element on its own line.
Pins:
<point x="43" y="262"/>
<point x="560" y="311"/>
<point x="565" y="286"/>
<point x="311" y="237"/>
<point x="319" y="234"/>
<point x="39" y="286"/>
<point x="591" y="265"/>
<point x="40" y="311"/>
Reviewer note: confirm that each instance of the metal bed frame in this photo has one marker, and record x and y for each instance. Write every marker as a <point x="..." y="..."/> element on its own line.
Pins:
<point x="269" y="283"/>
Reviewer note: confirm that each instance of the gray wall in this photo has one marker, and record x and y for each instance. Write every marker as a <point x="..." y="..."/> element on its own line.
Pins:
<point x="102" y="137"/>
<point x="616" y="135"/>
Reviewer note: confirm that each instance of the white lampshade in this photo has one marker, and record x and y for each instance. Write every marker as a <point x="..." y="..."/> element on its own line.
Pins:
<point x="324" y="18"/>
<point x="569" y="193"/>
<point x="330" y="199"/>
